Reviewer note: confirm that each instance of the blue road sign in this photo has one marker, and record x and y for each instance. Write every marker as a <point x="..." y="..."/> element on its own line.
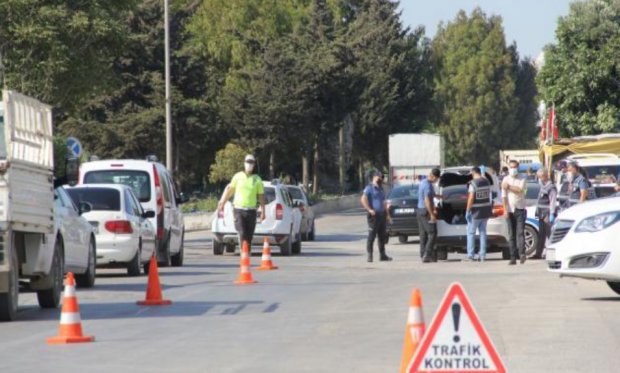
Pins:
<point x="74" y="146"/>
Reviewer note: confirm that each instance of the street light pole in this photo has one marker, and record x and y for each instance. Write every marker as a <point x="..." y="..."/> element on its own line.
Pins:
<point x="167" y="78"/>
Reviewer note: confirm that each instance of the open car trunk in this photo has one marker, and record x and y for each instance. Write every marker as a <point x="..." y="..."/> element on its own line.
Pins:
<point x="453" y="204"/>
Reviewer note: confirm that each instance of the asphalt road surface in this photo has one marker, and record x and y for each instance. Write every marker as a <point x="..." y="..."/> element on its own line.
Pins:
<point x="326" y="310"/>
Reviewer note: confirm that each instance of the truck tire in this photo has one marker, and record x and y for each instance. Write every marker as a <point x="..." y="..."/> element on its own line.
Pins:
<point x="8" y="300"/>
<point x="87" y="280"/>
<point x="177" y="260"/>
<point x="50" y="298"/>
<point x="296" y="247"/>
<point x="218" y="247"/>
<point x="287" y="246"/>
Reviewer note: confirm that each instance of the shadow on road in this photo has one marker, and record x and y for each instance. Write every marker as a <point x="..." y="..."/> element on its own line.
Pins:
<point x="602" y="299"/>
<point x="327" y="254"/>
<point x="340" y="237"/>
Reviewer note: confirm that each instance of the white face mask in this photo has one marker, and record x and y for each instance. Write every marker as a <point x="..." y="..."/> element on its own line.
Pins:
<point x="513" y="172"/>
<point x="570" y="177"/>
<point x="249" y="167"/>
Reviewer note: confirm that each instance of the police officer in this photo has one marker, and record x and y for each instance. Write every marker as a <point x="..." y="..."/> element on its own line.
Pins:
<point x="546" y="207"/>
<point x="427" y="217"/>
<point x="378" y="215"/>
<point x="248" y="190"/>
<point x="478" y="211"/>
<point x="578" y="189"/>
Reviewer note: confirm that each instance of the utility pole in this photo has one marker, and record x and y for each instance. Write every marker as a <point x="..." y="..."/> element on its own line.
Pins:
<point x="168" y="101"/>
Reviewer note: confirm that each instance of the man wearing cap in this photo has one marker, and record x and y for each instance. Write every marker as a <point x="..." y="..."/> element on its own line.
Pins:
<point x="248" y="191"/>
<point x="373" y="200"/>
<point x="427" y="218"/>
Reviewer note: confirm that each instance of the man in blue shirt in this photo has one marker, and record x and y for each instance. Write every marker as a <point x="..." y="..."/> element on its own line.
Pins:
<point x="373" y="200"/>
<point x="427" y="218"/>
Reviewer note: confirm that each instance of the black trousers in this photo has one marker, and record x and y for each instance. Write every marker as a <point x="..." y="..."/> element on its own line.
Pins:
<point x="377" y="228"/>
<point x="428" y="235"/>
<point x="516" y="230"/>
<point x="245" y="223"/>
<point x="544" y="230"/>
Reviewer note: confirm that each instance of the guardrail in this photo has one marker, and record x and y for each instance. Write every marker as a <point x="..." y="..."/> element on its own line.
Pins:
<point x="200" y="221"/>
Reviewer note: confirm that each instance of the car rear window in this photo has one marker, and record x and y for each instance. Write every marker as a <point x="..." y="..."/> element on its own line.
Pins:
<point x="270" y="195"/>
<point x="405" y="191"/>
<point x="295" y="193"/>
<point x="139" y="181"/>
<point x="101" y="199"/>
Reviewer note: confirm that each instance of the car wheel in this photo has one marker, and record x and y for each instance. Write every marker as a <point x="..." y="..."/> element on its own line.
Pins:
<point x="87" y="279"/>
<point x="615" y="286"/>
<point x="165" y="262"/>
<point x="287" y="246"/>
<point x="177" y="260"/>
<point x="531" y="240"/>
<point x="296" y="247"/>
<point x="133" y="267"/>
<point x="506" y="253"/>
<point x="8" y="300"/>
<point x="218" y="247"/>
<point x="403" y="238"/>
<point x="442" y="254"/>
<point x="312" y="234"/>
<point x="50" y="298"/>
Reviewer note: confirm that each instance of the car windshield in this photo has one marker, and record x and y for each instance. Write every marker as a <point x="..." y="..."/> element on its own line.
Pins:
<point x="270" y="194"/>
<point x="139" y="181"/>
<point x="404" y="191"/>
<point x="603" y="174"/>
<point x="101" y="199"/>
<point x="296" y="193"/>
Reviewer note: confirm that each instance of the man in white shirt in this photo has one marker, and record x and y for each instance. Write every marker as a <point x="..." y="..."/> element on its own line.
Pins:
<point x="513" y="196"/>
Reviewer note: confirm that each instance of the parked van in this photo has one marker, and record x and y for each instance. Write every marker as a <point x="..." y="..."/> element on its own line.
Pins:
<point x="153" y="185"/>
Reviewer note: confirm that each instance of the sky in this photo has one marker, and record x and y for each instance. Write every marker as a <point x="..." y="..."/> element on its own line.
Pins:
<point x="531" y="23"/>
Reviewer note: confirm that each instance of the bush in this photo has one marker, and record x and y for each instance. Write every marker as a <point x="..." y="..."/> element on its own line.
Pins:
<point x="208" y="204"/>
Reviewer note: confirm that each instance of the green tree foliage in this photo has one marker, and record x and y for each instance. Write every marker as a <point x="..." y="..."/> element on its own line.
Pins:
<point x="228" y="162"/>
<point x="61" y="52"/>
<point x="476" y="90"/>
<point x="581" y="73"/>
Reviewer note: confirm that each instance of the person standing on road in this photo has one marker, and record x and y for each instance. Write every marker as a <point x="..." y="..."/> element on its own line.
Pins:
<point x="478" y="211"/>
<point x="513" y="196"/>
<point x="427" y="217"/>
<point x="545" y="210"/>
<point x="578" y="189"/>
<point x="378" y="215"/>
<point x="248" y="191"/>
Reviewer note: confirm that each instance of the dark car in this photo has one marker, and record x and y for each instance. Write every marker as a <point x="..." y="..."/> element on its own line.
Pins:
<point x="403" y="204"/>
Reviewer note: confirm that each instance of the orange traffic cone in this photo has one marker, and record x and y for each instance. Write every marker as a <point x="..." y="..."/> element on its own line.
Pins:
<point x="153" y="288"/>
<point x="266" y="263"/>
<point x="414" y="331"/>
<point x="70" y="330"/>
<point x="245" y="276"/>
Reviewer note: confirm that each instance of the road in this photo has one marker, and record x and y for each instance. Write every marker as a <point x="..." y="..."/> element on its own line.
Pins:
<point x="326" y="310"/>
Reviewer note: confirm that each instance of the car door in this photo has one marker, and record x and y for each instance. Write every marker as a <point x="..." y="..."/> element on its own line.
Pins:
<point x="176" y="228"/>
<point x="132" y="214"/>
<point x="147" y="231"/>
<point x="72" y="235"/>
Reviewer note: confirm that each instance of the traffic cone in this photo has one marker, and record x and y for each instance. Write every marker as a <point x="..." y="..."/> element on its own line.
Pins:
<point x="266" y="263"/>
<point x="245" y="276"/>
<point x="414" y="331"/>
<point x="153" y="288"/>
<point x="70" y="330"/>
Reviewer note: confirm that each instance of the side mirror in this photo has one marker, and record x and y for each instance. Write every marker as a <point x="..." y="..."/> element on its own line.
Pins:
<point x="72" y="170"/>
<point x="85" y="207"/>
<point x="148" y="214"/>
<point x="182" y="198"/>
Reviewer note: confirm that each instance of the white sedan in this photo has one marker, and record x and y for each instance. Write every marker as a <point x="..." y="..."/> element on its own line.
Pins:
<point x="584" y="242"/>
<point x="125" y="236"/>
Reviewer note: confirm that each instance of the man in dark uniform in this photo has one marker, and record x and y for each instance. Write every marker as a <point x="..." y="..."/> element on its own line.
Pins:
<point x="479" y="210"/>
<point x="578" y="190"/>
<point x="427" y="217"/>
<point x="378" y="215"/>
<point x="546" y="207"/>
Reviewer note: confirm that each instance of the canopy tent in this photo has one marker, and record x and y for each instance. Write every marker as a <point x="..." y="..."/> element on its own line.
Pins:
<point x="608" y="143"/>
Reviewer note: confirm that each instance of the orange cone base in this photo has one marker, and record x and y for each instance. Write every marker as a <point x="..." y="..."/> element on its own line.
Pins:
<point x="266" y="267"/>
<point x="65" y="340"/>
<point x="245" y="279"/>
<point x="154" y="302"/>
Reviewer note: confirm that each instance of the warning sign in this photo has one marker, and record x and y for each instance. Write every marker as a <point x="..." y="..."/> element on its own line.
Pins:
<point x="456" y="340"/>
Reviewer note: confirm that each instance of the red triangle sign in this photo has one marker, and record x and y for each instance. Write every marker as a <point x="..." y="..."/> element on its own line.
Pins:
<point x="456" y="340"/>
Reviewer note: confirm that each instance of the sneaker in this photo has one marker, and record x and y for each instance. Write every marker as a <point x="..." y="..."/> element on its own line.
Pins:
<point x="427" y="260"/>
<point x="469" y="259"/>
<point x="523" y="257"/>
<point x="512" y="262"/>
<point x="385" y="258"/>
<point x="369" y="259"/>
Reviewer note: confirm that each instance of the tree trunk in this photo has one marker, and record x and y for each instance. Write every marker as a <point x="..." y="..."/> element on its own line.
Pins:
<point x="272" y="168"/>
<point x="315" y="168"/>
<point x="360" y="172"/>
<point x="341" y="158"/>
<point x="305" y="172"/>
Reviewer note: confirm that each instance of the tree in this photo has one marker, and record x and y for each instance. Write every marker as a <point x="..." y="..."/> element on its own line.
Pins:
<point x="476" y="100"/>
<point x="581" y="73"/>
<point x="227" y="163"/>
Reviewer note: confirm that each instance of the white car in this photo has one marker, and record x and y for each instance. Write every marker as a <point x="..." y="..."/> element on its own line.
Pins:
<point x="155" y="189"/>
<point x="303" y="203"/>
<point x="584" y="242"/>
<point x="125" y="236"/>
<point x="78" y="238"/>
<point x="282" y="223"/>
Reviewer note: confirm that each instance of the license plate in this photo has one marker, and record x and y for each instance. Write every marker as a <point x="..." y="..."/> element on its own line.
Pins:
<point x="550" y="255"/>
<point x="404" y="211"/>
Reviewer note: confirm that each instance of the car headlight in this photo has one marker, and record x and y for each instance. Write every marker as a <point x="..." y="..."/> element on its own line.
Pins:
<point x="598" y="222"/>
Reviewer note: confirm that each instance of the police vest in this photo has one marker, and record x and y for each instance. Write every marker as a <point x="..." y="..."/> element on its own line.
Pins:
<point x="482" y="207"/>
<point x="575" y="193"/>
<point x="544" y="201"/>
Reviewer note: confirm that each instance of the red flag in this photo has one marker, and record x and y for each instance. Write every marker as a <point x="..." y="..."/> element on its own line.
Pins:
<point x="552" y="124"/>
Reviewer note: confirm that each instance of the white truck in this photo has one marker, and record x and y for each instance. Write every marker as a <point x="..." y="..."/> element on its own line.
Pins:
<point x="413" y="155"/>
<point x="29" y="249"/>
